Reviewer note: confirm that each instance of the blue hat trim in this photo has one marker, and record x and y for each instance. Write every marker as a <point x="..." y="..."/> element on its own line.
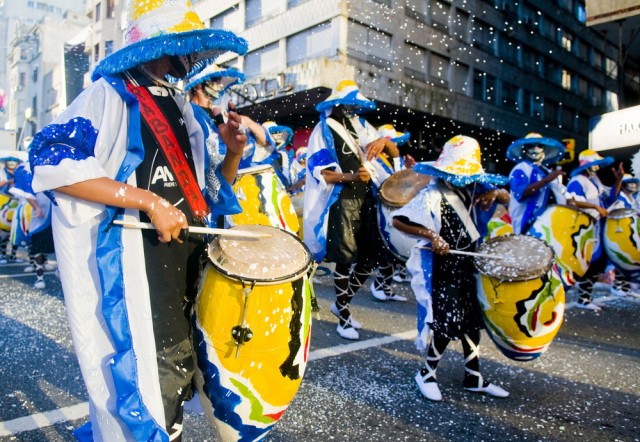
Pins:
<point x="288" y="130"/>
<point x="402" y="139"/>
<point x="229" y="72"/>
<point x="631" y="180"/>
<point x="427" y="168"/>
<point x="351" y="99"/>
<point x="606" y="161"/>
<point x="216" y="41"/>
<point x="553" y="149"/>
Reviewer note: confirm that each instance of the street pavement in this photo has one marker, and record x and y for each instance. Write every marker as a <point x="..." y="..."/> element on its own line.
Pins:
<point x="585" y="387"/>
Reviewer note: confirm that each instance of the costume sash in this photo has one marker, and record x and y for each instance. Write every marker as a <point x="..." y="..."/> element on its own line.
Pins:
<point x="166" y="139"/>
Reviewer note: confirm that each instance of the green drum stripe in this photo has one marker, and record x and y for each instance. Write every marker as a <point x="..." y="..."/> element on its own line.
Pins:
<point x="257" y="411"/>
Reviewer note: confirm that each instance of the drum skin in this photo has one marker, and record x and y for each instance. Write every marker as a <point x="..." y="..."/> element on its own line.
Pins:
<point x="244" y="397"/>
<point x="264" y="200"/>
<point x="574" y="237"/>
<point x="621" y="238"/>
<point x="522" y="316"/>
<point x="8" y="207"/>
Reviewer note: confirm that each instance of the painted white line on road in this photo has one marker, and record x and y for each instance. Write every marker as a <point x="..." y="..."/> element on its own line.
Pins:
<point x="22" y="275"/>
<point x="79" y="411"/>
<point x="41" y="420"/>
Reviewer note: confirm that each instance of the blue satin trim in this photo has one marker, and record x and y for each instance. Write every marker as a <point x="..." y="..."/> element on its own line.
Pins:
<point x="75" y="139"/>
<point x="426" y="259"/>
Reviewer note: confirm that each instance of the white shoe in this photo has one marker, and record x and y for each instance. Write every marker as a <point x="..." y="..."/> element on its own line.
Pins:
<point x="351" y="320"/>
<point x="380" y="295"/>
<point x="491" y="390"/>
<point x="618" y="292"/>
<point x="39" y="285"/>
<point x="49" y="267"/>
<point x="401" y="276"/>
<point x="29" y="269"/>
<point x="587" y="305"/>
<point x="430" y="390"/>
<point x="348" y="332"/>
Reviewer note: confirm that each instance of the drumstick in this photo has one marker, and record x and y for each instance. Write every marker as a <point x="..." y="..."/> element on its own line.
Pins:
<point x="461" y="252"/>
<point x="196" y="229"/>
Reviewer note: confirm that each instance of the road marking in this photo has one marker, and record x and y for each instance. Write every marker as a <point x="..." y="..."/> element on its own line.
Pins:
<point x="79" y="411"/>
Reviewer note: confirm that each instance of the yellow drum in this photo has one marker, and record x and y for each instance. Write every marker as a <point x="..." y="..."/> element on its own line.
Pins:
<point x="521" y="296"/>
<point x="20" y="225"/>
<point x="8" y="207"/>
<point x="252" y="324"/>
<point x="500" y="223"/>
<point x="297" y="199"/>
<point x="621" y="240"/>
<point x="573" y="235"/>
<point x="395" y="192"/>
<point x="264" y="200"/>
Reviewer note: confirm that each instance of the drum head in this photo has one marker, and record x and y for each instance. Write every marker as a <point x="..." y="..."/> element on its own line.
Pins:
<point x="622" y="213"/>
<point x="524" y="258"/>
<point x="401" y="187"/>
<point x="265" y="260"/>
<point x="255" y="170"/>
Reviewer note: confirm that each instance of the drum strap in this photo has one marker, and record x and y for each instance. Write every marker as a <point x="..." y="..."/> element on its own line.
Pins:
<point x="156" y="121"/>
<point x="458" y="206"/>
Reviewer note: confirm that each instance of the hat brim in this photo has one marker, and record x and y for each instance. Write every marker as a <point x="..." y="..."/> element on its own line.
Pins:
<point x="427" y="168"/>
<point x="631" y="180"/>
<point x="234" y="75"/>
<point x="606" y="161"/>
<point x="402" y="139"/>
<point x="279" y="129"/>
<point x="553" y="149"/>
<point x="208" y="43"/>
<point x="13" y="155"/>
<point x="354" y="98"/>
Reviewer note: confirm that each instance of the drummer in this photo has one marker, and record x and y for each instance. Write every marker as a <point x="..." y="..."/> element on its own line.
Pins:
<point x="445" y="216"/>
<point x="531" y="182"/>
<point x="282" y="136"/>
<point x="628" y="196"/>
<point x="586" y="185"/>
<point x="8" y="251"/>
<point x="298" y="170"/>
<point x="339" y="208"/>
<point x="129" y="147"/>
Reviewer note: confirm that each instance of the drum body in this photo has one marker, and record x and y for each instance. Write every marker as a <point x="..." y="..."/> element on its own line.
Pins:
<point x="297" y="200"/>
<point x="621" y="239"/>
<point x="395" y="192"/>
<point x="20" y="225"/>
<point x="8" y="207"/>
<point x="261" y="287"/>
<point x="264" y="200"/>
<point x="500" y="223"/>
<point x="521" y="296"/>
<point x="574" y="237"/>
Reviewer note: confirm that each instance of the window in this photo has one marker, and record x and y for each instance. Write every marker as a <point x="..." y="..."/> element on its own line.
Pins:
<point x="23" y="54"/>
<point x="108" y="48"/>
<point x="596" y="59"/>
<point x="416" y="9"/>
<point x="484" y="87"/>
<point x="549" y="28"/>
<point x="34" y="106"/>
<point x="231" y="20"/>
<point x="110" y="8"/>
<point x="551" y="110"/>
<point x="530" y="18"/>
<point x="312" y="43"/>
<point x="566" y="79"/>
<point x="414" y="61"/>
<point x="258" y="10"/>
<point x="262" y="61"/>
<point x="460" y="78"/>
<point x="439" y="12"/>
<point x="460" y="24"/>
<point x="35" y="74"/>
<point x="510" y="96"/>
<point x="582" y="48"/>
<point x="22" y="79"/>
<point x="552" y="71"/>
<point x="566" y="40"/>
<point x="508" y="49"/>
<point x="568" y="118"/>
<point x="439" y="70"/>
<point x="596" y="96"/>
<point x="369" y="45"/>
<point x="31" y="4"/>
<point x="96" y="52"/>
<point x="292" y="3"/>
<point x="583" y="87"/>
<point x="530" y="60"/>
<point x="611" y="67"/>
<point x="483" y="36"/>
<point x="387" y="3"/>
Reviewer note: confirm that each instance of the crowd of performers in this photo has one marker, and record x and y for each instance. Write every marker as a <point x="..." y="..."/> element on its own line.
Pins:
<point x="139" y="146"/>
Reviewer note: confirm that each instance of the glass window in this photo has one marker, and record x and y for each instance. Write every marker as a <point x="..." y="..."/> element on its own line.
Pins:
<point x="566" y="79"/>
<point x="508" y="49"/>
<point x="96" y="52"/>
<point x="292" y="3"/>
<point x="369" y="44"/>
<point x="484" y="87"/>
<point x="439" y="69"/>
<point x="596" y="58"/>
<point x="439" y="12"/>
<point x="566" y="40"/>
<point x="552" y="71"/>
<point x="108" y="48"/>
<point x="312" y="43"/>
<point x="414" y="61"/>
<point x="483" y="36"/>
<point x="384" y="2"/>
<point x="460" y="24"/>
<point x="510" y="96"/>
<point x="262" y="61"/>
<point x="568" y="118"/>
<point x="611" y="67"/>
<point x="583" y="87"/>
<point x="583" y="49"/>
<point x="22" y="79"/>
<point x="416" y="9"/>
<point x="258" y="10"/>
<point x="31" y="4"/>
<point x="530" y="60"/>
<point x="549" y="28"/>
<point x="231" y="20"/>
<point x="460" y="78"/>
<point x="97" y="17"/>
<point x="35" y="74"/>
<point x="110" y="8"/>
<point x="551" y="110"/>
<point x="596" y="95"/>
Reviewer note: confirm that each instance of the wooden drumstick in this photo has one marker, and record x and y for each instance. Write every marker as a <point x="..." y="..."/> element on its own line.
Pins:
<point x="461" y="252"/>
<point x="196" y="229"/>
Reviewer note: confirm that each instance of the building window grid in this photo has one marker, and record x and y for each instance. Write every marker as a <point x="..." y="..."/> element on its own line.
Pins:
<point x="439" y="12"/>
<point x="484" y="87"/>
<point x="97" y="17"/>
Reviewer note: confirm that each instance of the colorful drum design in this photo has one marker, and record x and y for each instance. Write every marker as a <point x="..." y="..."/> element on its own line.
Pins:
<point x="500" y="223"/>
<point x="264" y="200"/>
<point x="621" y="240"/>
<point x="394" y="193"/>
<point x="252" y="324"/>
<point x="297" y="200"/>
<point x="573" y="235"/>
<point x="8" y="206"/>
<point x="521" y="296"/>
<point x="20" y="234"/>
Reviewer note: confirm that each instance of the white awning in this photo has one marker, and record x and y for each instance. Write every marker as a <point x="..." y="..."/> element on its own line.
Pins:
<point x="615" y="129"/>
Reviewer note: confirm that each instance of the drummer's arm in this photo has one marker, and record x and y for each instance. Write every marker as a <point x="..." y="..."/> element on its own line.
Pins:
<point x="439" y="245"/>
<point x="235" y="140"/>
<point x="585" y="205"/>
<point x="533" y="188"/>
<point x="36" y="207"/>
<point x="380" y="145"/>
<point x="168" y="220"/>
<point x="256" y="129"/>
<point x="333" y="177"/>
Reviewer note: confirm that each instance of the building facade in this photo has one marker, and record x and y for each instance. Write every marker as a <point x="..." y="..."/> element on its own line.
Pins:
<point x="107" y="30"/>
<point x="493" y="69"/>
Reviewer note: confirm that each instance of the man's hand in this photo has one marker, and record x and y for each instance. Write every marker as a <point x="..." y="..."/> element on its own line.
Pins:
<point x="439" y="245"/>
<point x="555" y="173"/>
<point x="362" y="175"/>
<point x="409" y="161"/>
<point x="373" y="149"/>
<point x="167" y="219"/>
<point x="602" y="211"/>
<point x="618" y="172"/>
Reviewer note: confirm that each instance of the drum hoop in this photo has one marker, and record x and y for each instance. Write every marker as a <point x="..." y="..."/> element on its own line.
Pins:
<point x="254" y="169"/>
<point x="543" y="272"/>
<point x="566" y="206"/>
<point x="266" y="281"/>
<point x="627" y="211"/>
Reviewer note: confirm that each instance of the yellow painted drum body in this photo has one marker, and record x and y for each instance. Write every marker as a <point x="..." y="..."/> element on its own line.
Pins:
<point x="21" y="224"/>
<point x="297" y="199"/>
<point x="264" y="200"/>
<point x="521" y="296"/>
<point x="621" y="240"/>
<point x="252" y="325"/>
<point x="8" y="206"/>
<point x="574" y="237"/>
<point x="500" y="223"/>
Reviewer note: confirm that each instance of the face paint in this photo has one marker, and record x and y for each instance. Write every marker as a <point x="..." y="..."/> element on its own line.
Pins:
<point x="591" y="170"/>
<point x="213" y="88"/>
<point x="10" y="164"/>
<point x="631" y="187"/>
<point x="535" y="153"/>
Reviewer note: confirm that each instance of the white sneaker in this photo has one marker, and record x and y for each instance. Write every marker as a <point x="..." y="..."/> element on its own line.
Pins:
<point x="401" y="276"/>
<point x="348" y="332"/>
<point x="491" y="390"/>
<point x="352" y="321"/>
<point x="587" y="305"/>
<point x="430" y="390"/>
<point x="49" y="267"/>
<point x="380" y="295"/>
<point x="29" y="269"/>
<point x="39" y="285"/>
<point x="618" y="292"/>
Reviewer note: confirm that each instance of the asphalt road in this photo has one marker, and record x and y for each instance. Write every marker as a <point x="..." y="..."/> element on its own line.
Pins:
<point x="586" y="387"/>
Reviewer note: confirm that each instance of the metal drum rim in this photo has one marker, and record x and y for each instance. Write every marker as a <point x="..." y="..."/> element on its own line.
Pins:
<point x="627" y="210"/>
<point x="254" y="169"/>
